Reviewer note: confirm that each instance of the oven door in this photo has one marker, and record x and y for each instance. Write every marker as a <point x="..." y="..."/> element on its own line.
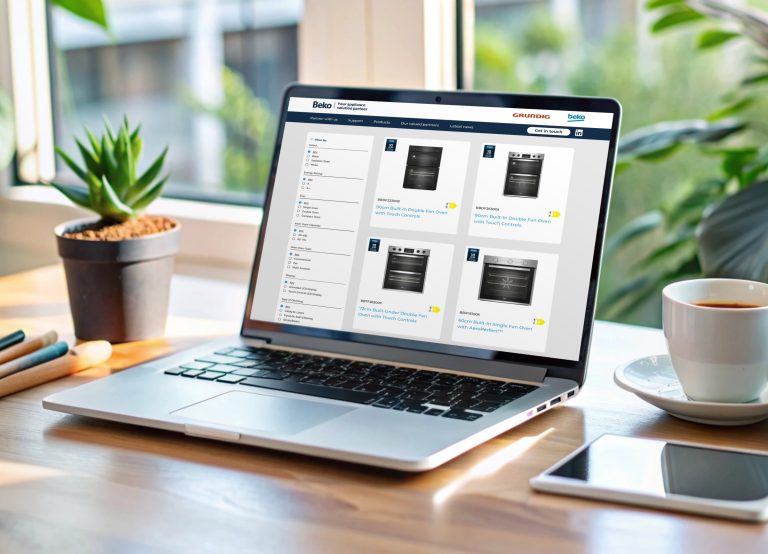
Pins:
<point x="425" y="156"/>
<point x="522" y="185"/>
<point x="405" y="272"/>
<point x="507" y="283"/>
<point x="421" y="178"/>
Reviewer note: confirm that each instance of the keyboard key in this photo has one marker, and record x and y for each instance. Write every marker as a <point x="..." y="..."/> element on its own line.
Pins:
<point x="311" y="390"/>
<point x="247" y="363"/>
<point x="225" y="351"/>
<point x="245" y="372"/>
<point x="266" y="374"/>
<point x="218" y="359"/>
<point x="386" y="402"/>
<point x="192" y="373"/>
<point x="416" y="409"/>
<point x="434" y="412"/>
<point x="485" y="407"/>
<point x="223" y="368"/>
<point x="229" y="378"/>
<point x="210" y="375"/>
<point x="370" y="387"/>
<point x="238" y="353"/>
<point x="197" y="365"/>
<point x="175" y="371"/>
<point x="461" y="414"/>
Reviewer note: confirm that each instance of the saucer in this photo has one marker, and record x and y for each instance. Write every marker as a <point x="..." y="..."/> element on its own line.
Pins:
<point x="653" y="379"/>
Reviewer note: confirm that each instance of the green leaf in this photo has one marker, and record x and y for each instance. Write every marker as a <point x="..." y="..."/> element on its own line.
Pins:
<point x="144" y="183"/>
<point x="715" y="37"/>
<point x="656" y="4"/>
<point x="7" y="132"/>
<point x="679" y="15"/>
<point x="735" y="159"/>
<point x="150" y="196"/>
<point x="755" y="79"/>
<point x="733" y="237"/>
<point x="108" y="162"/>
<point x="71" y="163"/>
<point x="635" y="228"/>
<point x="90" y="10"/>
<point x="74" y="194"/>
<point x="659" y="140"/>
<point x="111" y="205"/>
<point x="94" y="143"/>
<point x="730" y="109"/>
<point x="670" y="247"/>
<point x="91" y="163"/>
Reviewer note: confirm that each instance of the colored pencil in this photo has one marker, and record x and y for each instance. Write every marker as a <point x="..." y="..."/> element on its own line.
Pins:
<point x="45" y="354"/>
<point x="28" y="346"/>
<point x="9" y="340"/>
<point x="79" y="358"/>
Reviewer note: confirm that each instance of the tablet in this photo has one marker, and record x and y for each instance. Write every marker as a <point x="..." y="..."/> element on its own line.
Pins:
<point x="664" y="474"/>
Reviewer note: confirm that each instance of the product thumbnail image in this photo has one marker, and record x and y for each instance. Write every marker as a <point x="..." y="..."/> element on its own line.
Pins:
<point x="523" y="175"/>
<point x="422" y="167"/>
<point x="406" y="269"/>
<point x="507" y="280"/>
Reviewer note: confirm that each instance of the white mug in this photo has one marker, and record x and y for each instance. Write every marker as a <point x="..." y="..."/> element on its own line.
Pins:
<point x="719" y="354"/>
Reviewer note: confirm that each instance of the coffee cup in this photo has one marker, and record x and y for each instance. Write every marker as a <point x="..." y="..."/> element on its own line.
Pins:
<point x="717" y="336"/>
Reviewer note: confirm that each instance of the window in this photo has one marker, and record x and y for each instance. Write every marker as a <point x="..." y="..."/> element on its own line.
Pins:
<point x="203" y="76"/>
<point x="605" y="48"/>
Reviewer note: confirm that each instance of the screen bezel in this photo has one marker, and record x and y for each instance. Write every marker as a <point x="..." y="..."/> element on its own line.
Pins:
<point x="438" y="354"/>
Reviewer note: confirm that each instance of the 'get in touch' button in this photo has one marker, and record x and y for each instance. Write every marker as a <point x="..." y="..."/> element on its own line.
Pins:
<point x="551" y="131"/>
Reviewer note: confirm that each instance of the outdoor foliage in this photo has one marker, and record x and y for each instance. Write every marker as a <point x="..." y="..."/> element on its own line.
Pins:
<point x="250" y="127"/>
<point x="115" y="189"/>
<point x="717" y="225"/>
<point x="88" y="10"/>
<point x="655" y="80"/>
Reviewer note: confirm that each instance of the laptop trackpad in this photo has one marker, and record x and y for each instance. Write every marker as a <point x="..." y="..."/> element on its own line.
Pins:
<point x="262" y="412"/>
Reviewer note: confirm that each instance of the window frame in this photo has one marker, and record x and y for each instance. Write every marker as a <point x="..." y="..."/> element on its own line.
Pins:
<point x="206" y="222"/>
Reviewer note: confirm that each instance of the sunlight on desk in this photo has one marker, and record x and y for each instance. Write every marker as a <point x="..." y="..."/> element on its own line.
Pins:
<point x="489" y="466"/>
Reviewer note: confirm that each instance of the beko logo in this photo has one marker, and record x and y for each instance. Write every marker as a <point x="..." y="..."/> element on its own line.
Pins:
<point x="324" y="105"/>
<point x="575" y="117"/>
<point x="531" y="115"/>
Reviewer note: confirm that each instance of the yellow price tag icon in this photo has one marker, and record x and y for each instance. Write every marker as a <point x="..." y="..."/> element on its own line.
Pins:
<point x="451" y="205"/>
<point x="554" y="214"/>
<point x="434" y="309"/>
<point x="538" y="321"/>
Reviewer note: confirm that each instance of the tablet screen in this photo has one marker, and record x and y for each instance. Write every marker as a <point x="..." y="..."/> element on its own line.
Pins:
<point x="661" y="468"/>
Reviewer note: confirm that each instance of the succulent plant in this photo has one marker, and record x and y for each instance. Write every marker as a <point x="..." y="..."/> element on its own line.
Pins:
<point x="115" y="192"/>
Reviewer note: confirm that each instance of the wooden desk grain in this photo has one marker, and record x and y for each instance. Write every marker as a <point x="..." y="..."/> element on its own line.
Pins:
<point x="71" y="484"/>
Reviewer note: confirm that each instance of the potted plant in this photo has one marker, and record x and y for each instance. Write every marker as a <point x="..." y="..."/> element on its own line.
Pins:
<point x="118" y="265"/>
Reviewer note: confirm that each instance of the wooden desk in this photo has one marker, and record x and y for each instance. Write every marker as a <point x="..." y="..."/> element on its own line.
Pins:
<point x="71" y="484"/>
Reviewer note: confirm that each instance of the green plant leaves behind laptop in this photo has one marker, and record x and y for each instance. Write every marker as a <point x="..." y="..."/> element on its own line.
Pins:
<point x="732" y="237"/>
<point x="116" y="190"/>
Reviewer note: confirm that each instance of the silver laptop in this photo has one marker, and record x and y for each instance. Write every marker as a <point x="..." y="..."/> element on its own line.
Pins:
<point x="425" y="280"/>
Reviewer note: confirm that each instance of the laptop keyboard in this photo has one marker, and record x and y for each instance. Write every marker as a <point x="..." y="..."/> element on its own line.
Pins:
<point x="384" y="386"/>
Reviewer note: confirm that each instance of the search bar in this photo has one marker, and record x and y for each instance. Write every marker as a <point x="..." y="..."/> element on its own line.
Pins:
<point x="551" y="131"/>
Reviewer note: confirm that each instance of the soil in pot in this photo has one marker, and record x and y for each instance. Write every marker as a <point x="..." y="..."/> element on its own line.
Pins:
<point x="131" y="229"/>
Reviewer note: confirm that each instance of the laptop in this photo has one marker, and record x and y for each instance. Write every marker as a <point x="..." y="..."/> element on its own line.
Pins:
<point x="425" y="279"/>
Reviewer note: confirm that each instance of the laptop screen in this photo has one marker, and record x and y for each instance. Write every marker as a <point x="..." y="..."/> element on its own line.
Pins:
<point x="434" y="225"/>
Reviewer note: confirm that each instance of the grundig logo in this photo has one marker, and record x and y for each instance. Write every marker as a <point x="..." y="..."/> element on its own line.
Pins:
<point x="324" y="105"/>
<point x="531" y="115"/>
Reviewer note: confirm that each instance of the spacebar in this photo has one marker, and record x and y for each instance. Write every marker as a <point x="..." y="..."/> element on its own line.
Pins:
<point x="312" y="390"/>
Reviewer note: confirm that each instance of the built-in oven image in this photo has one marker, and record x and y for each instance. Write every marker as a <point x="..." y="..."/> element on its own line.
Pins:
<point x="406" y="269"/>
<point x="523" y="175"/>
<point x="507" y="280"/>
<point x="423" y="167"/>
